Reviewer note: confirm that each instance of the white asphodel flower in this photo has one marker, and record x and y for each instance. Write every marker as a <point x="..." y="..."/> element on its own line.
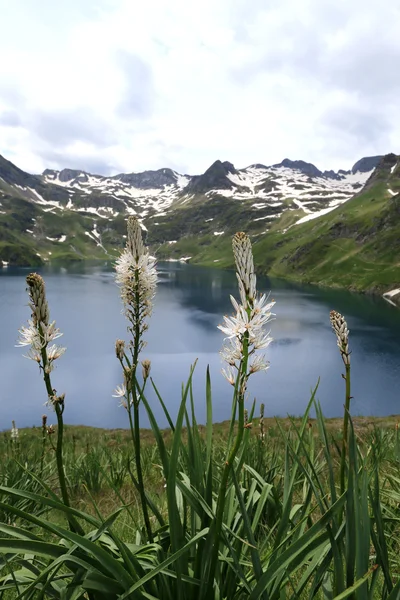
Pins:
<point x="38" y="338"/>
<point x="14" y="432"/>
<point x="137" y="277"/>
<point x="251" y="316"/>
<point x="120" y="391"/>
<point x="40" y="332"/>
<point x="229" y="375"/>
<point x="258" y="363"/>
<point x="54" y="352"/>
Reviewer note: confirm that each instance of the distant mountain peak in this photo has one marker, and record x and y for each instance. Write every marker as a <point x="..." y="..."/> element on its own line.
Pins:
<point x="149" y="179"/>
<point x="305" y="167"/>
<point x="366" y="164"/>
<point x="215" y="177"/>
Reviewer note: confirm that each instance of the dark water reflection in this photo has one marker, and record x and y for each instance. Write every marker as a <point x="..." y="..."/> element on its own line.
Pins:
<point x="189" y="305"/>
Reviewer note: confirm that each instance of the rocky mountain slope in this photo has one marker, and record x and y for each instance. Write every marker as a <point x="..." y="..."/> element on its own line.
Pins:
<point x="295" y="213"/>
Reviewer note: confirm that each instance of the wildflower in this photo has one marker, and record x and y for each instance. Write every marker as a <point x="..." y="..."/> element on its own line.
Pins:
<point x="259" y="363"/>
<point x="14" y="433"/>
<point x="40" y="332"/>
<point x="137" y="278"/>
<point x="229" y="375"/>
<point x="339" y="327"/>
<point x="245" y="330"/>
<point x="120" y="391"/>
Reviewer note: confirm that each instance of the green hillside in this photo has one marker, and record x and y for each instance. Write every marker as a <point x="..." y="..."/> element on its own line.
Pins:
<point x="356" y="246"/>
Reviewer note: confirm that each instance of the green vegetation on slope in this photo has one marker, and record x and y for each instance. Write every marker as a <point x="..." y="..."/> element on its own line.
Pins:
<point x="355" y="246"/>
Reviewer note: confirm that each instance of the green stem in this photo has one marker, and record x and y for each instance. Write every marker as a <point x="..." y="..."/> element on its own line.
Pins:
<point x="140" y="472"/>
<point x="242" y="377"/>
<point x="43" y="449"/>
<point x="73" y="523"/>
<point x="134" y="400"/>
<point x="345" y="430"/>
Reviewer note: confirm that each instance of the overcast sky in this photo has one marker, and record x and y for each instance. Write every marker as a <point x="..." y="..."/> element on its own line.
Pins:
<point x="128" y="85"/>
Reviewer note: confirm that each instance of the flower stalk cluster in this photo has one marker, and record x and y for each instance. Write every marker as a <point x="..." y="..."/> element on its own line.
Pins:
<point x="14" y="433"/>
<point x="136" y="276"/>
<point x="245" y="330"/>
<point x="339" y="326"/>
<point x="40" y="332"/>
<point x="246" y="333"/>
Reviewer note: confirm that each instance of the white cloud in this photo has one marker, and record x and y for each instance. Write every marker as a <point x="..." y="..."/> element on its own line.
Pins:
<point x="128" y="86"/>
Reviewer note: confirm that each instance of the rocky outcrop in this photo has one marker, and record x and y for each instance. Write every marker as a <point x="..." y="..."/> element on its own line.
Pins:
<point x="215" y="178"/>
<point x="305" y="167"/>
<point x="366" y="164"/>
<point x="149" y="179"/>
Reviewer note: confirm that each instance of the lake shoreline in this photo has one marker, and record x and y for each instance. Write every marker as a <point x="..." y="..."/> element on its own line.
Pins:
<point x="378" y="291"/>
<point x="365" y="423"/>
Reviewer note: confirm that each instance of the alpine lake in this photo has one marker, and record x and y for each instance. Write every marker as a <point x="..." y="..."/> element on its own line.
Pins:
<point x="190" y="302"/>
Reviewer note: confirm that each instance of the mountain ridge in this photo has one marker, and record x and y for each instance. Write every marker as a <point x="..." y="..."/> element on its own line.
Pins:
<point x="75" y="215"/>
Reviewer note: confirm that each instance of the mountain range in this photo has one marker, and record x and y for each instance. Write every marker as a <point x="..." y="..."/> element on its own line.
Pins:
<point x="304" y="223"/>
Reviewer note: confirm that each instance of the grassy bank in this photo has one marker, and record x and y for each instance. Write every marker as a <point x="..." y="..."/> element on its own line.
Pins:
<point x="252" y="508"/>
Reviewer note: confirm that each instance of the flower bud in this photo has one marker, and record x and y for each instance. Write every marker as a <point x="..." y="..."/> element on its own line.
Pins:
<point x="120" y="349"/>
<point x="146" y="366"/>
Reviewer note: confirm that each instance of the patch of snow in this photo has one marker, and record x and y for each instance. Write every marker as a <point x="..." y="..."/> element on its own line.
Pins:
<point x="315" y="215"/>
<point x="263" y="218"/>
<point x="51" y="239"/>
<point x="181" y="181"/>
<point x="390" y="301"/>
<point x="172" y="242"/>
<point x="301" y="205"/>
<point x="91" y="210"/>
<point x="4" y="263"/>
<point x="219" y="232"/>
<point x="29" y="231"/>
<point x="208" y="220"/>
<point x="393" y="168"/>
<point x="392" y="293"/>
<point x="69" y="204"/>
<point x="62" y="238"/>
<point x="392" y="193"/>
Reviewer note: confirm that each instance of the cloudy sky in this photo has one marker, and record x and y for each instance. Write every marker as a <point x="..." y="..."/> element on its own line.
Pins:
<point x="128" y="85"/>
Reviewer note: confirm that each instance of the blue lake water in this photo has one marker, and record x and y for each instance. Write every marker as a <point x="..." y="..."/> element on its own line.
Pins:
<point x="190" y="303"/>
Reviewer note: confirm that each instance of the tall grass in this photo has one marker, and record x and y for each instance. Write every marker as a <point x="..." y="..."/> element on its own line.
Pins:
<point x="292" y="513"/>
